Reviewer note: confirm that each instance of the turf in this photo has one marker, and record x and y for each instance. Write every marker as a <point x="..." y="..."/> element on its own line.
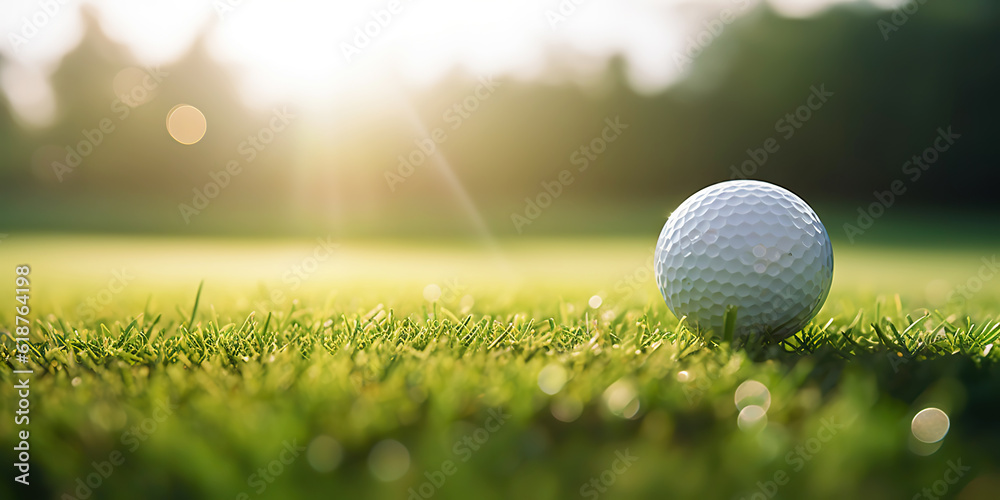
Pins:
<point x="199" y="390"/>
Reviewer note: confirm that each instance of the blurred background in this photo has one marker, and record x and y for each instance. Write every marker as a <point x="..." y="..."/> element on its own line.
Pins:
<point x="486" y="119"/>
<point x="512" y="160"/>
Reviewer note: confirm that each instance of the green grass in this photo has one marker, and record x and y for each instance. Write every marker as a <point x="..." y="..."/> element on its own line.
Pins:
<point x="358" y="354"/>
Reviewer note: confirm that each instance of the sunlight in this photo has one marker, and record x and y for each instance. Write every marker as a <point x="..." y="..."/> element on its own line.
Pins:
<point x="315" y="52"/>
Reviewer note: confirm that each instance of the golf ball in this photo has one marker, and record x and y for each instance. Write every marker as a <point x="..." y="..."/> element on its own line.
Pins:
<point x="747" y="244"/>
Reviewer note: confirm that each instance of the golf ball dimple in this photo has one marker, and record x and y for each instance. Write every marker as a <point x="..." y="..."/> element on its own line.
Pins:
<point x="747" y="244"/>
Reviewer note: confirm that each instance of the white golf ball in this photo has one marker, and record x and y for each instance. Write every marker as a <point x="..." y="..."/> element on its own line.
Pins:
<point x="747" y="244"/>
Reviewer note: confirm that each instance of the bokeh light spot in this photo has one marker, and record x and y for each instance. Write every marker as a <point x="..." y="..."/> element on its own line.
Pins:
<point x="186" y="124"/>
<point x="389" y="460"/>
<point x="552" y="378"/>
<point x="324" y="453"/>
<point x="752" y="392"/>
<point x="930" y="425"/>
<point x="752" y="419"/>
<point x="432" y="293"/>
<point x="621" y="399"/>
<point x="566" y="409"/>
<point x="595" y="301"/>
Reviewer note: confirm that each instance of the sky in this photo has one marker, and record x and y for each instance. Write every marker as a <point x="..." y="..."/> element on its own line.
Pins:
<point x="316" y="51"/>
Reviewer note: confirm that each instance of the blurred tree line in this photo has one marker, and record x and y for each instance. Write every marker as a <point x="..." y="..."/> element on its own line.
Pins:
<point x="832" y="107"/>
